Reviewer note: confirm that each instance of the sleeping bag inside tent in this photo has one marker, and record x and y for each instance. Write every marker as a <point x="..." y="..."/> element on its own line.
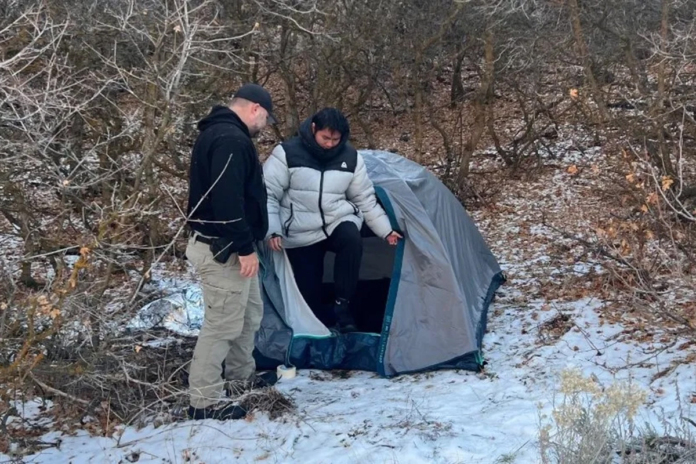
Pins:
<point x="421" y="305"/>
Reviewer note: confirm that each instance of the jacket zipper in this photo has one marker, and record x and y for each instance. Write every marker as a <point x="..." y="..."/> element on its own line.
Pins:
<point x="289" y="221"/>
<point x="321" y="210"/>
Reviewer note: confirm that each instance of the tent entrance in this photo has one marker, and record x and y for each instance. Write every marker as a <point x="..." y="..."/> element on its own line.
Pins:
<point x="370" y="301"/>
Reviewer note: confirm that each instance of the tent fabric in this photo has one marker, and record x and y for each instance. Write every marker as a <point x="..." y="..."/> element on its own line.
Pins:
<point x="442" y="279"/>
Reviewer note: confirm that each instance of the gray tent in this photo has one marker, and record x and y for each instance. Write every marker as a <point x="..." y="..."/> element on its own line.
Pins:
<point x="421" y="305"/>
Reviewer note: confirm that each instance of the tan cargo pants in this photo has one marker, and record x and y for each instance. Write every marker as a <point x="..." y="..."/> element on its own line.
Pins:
<point x="233" y="312"/>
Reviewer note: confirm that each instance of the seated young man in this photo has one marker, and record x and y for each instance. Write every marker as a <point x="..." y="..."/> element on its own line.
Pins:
<point x="319" y="194"/>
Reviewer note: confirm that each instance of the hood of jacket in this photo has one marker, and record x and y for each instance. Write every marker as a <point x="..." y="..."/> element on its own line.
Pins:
<point x="222" y="115"/>
<point x="310" y="143"/>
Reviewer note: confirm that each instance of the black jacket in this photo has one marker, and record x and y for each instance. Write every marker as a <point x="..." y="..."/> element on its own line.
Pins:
<point x="235" y="207"/>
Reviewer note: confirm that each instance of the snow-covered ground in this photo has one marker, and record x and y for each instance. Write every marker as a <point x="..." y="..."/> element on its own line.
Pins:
<point x="446" y="416"/>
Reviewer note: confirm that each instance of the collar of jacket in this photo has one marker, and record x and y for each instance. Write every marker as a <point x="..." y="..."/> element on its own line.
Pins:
<point x="223" y="115"/>
<point x="322" y="154"/>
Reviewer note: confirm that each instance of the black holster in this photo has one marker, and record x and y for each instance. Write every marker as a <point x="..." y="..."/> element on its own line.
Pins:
<point x="221" y="248"/>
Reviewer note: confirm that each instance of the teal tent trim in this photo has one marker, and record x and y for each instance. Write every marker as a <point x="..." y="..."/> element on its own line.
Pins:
<point x="396" y="277"/>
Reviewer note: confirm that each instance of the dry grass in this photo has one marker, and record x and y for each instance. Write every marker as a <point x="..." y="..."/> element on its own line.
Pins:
<point x="597" y="424"/>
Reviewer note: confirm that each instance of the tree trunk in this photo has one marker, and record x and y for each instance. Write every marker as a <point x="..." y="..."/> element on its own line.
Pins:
<point x="586" y="60"/>
<point x="292" y="115"/>
<point x="633" y="67"/>
<point x="417" y="114"/>
<point x="483" y="99"/>
<point x="457" y="90"/>
<point x="659" y="109"/>
<point x="367" y="130"/>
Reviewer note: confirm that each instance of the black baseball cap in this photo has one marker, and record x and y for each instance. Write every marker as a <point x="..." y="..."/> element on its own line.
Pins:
<point x="257" y="94"/>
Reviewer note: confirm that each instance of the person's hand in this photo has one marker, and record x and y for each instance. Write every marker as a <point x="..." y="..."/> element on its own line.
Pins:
<point x="393" y="238"/>
<point x="250" y="265"/>
<point x="275" y="243"/>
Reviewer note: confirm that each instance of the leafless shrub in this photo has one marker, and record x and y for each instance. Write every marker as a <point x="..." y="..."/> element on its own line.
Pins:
<point x="594" y="423"/>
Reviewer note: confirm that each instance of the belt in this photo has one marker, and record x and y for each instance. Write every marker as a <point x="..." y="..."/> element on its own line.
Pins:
<point x="202" y="238"/>
<point x="206" y="240"/>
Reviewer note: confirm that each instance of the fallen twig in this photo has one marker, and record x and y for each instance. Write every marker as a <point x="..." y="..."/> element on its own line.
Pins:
<point x="55" y="391"/>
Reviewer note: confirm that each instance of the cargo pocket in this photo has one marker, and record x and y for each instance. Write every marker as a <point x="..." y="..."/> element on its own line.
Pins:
<point x="224" y="311"/>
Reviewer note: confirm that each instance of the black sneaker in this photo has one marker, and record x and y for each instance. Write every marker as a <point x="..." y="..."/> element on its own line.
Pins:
<point x="344" y="319"/>
<point x="263" y="380"/>
<point x="227" y="412"/>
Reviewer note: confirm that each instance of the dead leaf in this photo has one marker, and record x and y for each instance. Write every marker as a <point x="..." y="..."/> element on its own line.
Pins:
<point x="667" y="182"/>
<point x="138" y="348"/>
<point x="644" y="208"/>
<point x="631" y="177"/>
<point x="574" y="94"/>
<point x="595" y="169"/>
<point x="652" y="199"/>
<point x="84" y="251"/>
<point x="573" y="170"/>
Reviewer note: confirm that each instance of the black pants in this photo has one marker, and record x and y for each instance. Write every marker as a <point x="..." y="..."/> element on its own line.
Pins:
<point x="308" y="266"/>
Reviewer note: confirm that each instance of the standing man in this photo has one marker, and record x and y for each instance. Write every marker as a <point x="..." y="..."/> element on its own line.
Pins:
<point x="227" y="214"/>
<point x="319" y="194"/>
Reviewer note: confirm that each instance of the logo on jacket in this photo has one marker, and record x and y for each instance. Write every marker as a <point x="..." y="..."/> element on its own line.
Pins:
<point x="344" y="165"/>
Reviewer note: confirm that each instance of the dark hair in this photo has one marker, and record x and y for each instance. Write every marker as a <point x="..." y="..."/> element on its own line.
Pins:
<point x="331" y="118"/>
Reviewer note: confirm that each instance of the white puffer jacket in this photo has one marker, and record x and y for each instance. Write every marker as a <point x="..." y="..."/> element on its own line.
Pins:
<point x="309" y="197"/>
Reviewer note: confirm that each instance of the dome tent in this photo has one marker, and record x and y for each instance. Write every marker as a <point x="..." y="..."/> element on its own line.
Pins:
<point x="420" y="305"/>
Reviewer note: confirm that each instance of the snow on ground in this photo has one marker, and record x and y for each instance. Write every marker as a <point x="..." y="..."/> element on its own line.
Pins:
<point x="444" y="416"/>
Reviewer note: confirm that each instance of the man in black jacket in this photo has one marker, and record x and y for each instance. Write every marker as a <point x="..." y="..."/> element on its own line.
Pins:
<point x="227" y="214"/>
